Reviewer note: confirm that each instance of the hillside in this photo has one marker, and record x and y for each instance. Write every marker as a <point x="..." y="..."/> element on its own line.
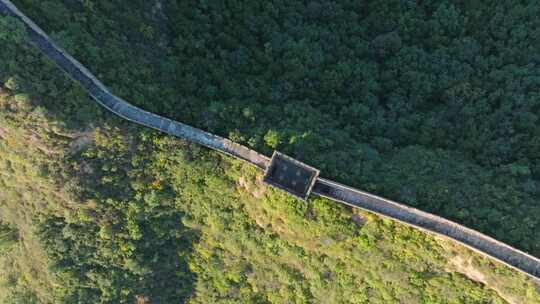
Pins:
<point x="432" y="105"/>
<point x="114" y="212"/>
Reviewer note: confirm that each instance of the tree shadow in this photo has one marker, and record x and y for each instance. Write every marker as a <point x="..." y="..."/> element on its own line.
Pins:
<point x="92" y="269"/>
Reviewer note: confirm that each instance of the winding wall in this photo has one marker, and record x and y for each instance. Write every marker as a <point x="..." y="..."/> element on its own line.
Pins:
<point x="122" y="108"/>
<point x="479" y="242"/>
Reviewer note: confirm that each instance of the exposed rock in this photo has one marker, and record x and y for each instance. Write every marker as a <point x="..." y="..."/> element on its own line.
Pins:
<point x="3" y="133"/>
<point x="256" y="188"/>
<point x="358" y="220"/>
<point x="82" y="140"/>
<point x="466" y="267"/>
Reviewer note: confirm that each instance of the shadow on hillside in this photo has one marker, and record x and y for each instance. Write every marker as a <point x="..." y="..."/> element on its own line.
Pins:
<point x="156" y="269"/>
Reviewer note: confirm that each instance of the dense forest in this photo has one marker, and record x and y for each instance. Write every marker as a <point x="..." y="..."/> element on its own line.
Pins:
<point x="432" y="104"/>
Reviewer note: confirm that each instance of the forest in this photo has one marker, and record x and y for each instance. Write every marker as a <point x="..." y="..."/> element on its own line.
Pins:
<point x="431" y="103"/>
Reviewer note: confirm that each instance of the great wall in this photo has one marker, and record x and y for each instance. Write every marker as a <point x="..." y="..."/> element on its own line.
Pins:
<point x="430" y="223"/>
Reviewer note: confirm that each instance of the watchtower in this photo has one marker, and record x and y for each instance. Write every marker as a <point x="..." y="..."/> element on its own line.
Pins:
<point x="288" y="174"/>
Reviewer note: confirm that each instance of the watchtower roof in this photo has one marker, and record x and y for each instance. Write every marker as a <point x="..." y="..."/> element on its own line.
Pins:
<point x="291" y="175"/>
